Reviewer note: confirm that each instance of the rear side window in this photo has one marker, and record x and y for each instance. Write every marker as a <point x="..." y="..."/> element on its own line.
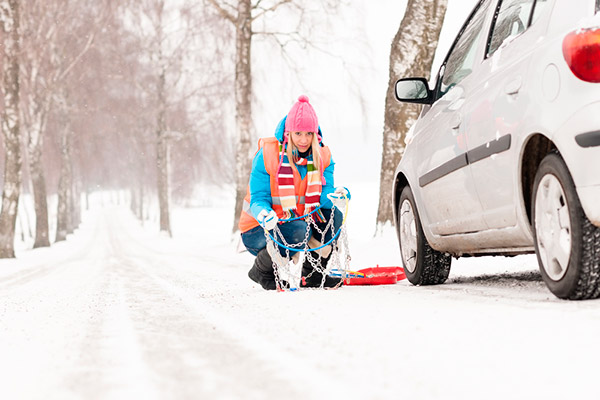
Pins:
<point x="597" y="5"/>
<point x="512" y="18"/>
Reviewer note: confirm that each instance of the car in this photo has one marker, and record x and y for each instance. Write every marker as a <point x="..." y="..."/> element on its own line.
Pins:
<point x="504" y="158"/>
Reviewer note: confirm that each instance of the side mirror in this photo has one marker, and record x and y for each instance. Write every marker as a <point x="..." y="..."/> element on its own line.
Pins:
<point x="413" y="90"/>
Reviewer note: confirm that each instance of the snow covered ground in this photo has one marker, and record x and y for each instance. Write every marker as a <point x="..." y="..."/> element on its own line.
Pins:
<point x="121" y="312"/>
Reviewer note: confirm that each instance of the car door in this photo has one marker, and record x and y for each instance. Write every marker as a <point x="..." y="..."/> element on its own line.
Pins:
<point x="446" y="185"/>
<point x="498" y="110"/>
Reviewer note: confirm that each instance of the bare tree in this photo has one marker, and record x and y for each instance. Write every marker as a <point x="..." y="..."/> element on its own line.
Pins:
<point x="411" y="54"/>
<point x="50" y="53"/>
<point x="241" y="14"/>
<point x="165" y="30"/>
<point x="241" y="18"/>
<point x="68" y="57"/>
<point x="162" y="145"/>
<point x="9" y="20"/>
<point x="114" y="114"/>
<point x="39" y="34"/>
<point x="64" y="220"/>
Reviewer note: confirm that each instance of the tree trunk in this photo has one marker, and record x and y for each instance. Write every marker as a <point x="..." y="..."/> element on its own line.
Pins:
<point x="140" y="209"/>
<point x="137" y="201"/>
<point x="38" y="104"/>
<point x="75" y="203"/>
<point x="162" y="158"/>
<point x="412" y="52"/>
<point x="38" y="183"/>
<point x="133" y="204"/>
<point x="9" y="17"/>
<point x="162" y="143"/>
<point x="243" y="104"/>
<point x="65" y="183"/>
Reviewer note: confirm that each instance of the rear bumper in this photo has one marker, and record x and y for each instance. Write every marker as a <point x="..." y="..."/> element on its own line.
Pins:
<point x="578" y="141"/>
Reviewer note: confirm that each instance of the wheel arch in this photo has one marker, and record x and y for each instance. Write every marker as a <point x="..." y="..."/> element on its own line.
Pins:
<point x="400" y="182"/>
<point x="535" y="149"/>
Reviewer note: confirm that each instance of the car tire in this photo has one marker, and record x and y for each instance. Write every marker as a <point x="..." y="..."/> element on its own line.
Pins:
<point x="567" y="244"/>
<point x="422" y="264"/>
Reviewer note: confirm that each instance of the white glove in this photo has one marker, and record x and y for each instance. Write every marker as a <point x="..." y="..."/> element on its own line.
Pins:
<point x="341" y="192"/>
<point x="267" y="219"/>
<point x="339" y="196"/>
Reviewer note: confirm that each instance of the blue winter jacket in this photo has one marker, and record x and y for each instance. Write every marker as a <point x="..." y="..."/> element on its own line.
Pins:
<point x="260" y="183"/>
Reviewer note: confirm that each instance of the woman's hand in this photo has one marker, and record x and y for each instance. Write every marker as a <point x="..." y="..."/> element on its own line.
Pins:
<point x="267" y="219"/>
<point x="339" y="196"/>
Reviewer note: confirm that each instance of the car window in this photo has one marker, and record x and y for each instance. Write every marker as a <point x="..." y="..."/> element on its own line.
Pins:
<point x="459" y="63"/>
<point x="597" y="5"/>
<point x="512" y="18"/>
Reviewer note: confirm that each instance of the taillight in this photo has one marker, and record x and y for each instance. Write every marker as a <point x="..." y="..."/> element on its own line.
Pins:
<point x="581" y="50"/>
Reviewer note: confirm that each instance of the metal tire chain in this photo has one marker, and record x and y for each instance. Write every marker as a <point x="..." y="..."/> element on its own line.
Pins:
<point x="315" y="262"/>
<point x="278" y="260"/>
<point x="276" y="256"/>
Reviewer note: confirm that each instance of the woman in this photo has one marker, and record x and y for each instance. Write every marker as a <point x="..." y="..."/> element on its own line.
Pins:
<point x="292" y="175"/>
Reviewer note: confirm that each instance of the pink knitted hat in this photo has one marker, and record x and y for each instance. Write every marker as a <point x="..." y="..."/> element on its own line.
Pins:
<point x="302" y="117"/>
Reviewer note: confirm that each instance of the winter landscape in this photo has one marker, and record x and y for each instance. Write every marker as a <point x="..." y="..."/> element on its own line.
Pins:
<point x="121" y="311"/>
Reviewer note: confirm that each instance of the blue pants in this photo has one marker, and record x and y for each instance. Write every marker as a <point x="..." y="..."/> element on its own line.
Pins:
<point x="294" y="232"/>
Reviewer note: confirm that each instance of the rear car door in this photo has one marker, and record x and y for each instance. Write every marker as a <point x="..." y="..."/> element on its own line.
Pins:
<point x="499" y="108"/>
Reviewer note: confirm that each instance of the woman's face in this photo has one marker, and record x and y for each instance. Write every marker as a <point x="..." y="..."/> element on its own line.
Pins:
<point x="302" y="140"/>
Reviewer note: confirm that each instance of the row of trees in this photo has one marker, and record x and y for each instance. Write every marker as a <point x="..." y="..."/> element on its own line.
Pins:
<point x="96" y="95"/>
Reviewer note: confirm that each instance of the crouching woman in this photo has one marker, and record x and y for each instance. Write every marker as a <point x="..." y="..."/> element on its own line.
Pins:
<point x="292" y="175"/>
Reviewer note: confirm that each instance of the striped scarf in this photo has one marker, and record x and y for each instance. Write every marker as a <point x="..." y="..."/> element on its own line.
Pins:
<point x="287" y="193"/>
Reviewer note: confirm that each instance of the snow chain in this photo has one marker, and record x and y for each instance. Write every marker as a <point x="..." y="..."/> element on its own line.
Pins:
<point x="288" y="268"/>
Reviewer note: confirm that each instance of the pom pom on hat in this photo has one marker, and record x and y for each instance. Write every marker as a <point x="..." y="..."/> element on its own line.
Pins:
<point x="302" y="117"/>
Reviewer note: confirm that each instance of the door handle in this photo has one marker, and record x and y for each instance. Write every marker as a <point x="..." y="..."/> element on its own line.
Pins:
<point x="513" y="86"/>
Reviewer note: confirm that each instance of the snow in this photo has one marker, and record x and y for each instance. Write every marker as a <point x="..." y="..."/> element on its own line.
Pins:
<point x="119" y="311"/>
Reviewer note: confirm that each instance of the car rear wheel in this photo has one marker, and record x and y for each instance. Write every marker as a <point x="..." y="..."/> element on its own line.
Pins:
<point x="422" y="264"/>
<point x="567" y="244"/>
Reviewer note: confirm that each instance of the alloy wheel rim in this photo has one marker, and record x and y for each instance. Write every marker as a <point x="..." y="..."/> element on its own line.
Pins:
<point x="552" y="227"/>
<point x="408" y="236"/>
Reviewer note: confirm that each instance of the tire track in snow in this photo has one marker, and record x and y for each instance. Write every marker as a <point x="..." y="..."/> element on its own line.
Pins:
<point x="274" y="368"/>
<point x="57" y="262"/>
<point x="112" y="363"/>
<point x="190" y="352"/>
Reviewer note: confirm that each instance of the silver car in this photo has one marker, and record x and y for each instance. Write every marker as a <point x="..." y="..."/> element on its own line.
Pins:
<point x="505" y="156"/>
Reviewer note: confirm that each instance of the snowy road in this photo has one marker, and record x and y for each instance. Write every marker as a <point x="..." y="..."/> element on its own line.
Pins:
<point x="118" y="312"/>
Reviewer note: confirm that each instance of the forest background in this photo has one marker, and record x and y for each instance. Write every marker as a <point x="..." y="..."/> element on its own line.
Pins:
<point x="147" y="97"/>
